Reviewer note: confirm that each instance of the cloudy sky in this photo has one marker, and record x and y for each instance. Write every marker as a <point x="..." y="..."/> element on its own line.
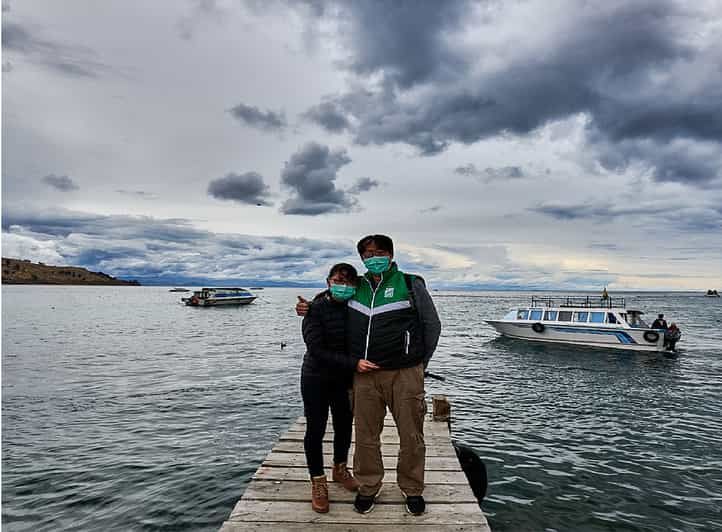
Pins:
<point x="520" y="143"/>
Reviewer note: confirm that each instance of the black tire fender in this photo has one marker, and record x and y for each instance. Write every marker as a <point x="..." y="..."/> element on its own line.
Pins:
<point x="651" y="336"/>
<point x="538" y="327"/>
<point x="474" y="469"/>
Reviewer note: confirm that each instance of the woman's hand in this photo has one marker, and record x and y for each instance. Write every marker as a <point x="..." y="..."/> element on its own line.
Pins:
<point x="364" y="366"/>
<point x="302" y="306"/>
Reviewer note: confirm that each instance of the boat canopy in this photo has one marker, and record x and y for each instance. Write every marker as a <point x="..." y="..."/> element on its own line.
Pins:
<point x="579" y="301"/>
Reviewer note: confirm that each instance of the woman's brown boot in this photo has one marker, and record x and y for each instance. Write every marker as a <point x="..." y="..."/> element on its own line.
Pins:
<point x="319" y="494"/>
<point x="343" y="475"/>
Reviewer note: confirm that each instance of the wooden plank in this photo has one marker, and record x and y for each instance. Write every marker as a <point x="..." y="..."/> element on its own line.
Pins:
<point x="300" y="491"/>
<point x="293" y="446"/>
<point x="430" y="429"/>
<point x="237" y="526"/>
<point x="386" y="437"/>
<point x="301" y="512"/>
<point x="301" y="473"/>
<point x="433" y="463"/>
<point x="388" y="421"/>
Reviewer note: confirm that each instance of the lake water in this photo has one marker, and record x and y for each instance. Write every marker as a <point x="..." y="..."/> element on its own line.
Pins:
<point x="124" y="410"/>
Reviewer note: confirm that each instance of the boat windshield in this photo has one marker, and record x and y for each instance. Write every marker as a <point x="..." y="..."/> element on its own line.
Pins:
<point x="635" y="320"/>
<point x="511" y="315"/>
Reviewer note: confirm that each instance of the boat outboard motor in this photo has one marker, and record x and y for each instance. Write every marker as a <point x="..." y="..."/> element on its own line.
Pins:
<point x="474" y="469"/>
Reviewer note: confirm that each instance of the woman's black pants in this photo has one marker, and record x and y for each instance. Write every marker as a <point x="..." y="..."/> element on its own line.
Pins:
<point x="320" y="393"/>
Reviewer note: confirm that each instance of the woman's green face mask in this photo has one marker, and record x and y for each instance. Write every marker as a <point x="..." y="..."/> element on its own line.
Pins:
<point x="377" y="265"/>
<point x="342" y="292"/>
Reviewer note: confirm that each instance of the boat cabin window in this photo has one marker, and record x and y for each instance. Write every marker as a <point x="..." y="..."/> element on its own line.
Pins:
<point x="511" y="315"/>
<point x="522" y="315"/>
<point x="596" y="317"/>
<point x="611" y="318"/>
<point x="550" y="315"/>
<point x="581" y="316"/>
<point x="565" y="315"/>
<point x="535" y="314"/>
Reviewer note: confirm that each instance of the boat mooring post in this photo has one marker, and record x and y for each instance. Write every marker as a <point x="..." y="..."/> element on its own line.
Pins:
<point x="441" y="408"/>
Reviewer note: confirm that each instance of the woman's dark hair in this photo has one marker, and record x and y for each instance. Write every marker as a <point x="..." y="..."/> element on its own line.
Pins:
<point x="344" y="269"/>
<point x="382" y="242"/>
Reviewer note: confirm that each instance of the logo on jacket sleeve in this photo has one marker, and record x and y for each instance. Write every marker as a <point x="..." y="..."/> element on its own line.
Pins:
<point x="389" y="292"/>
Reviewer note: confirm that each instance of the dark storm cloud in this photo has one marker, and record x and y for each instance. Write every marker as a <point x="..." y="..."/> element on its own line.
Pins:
<point x="67" y="59"/>
<point x="329" y="115"/>
<point x="490" y="174"/>
<point x="60" y="182"/>
<point x="657" y="220"/>
<point x="244" y="188"/>
<point x="363" y="184"/>
<point x="604" y="211"/>
<point x="63" y="223"/>
<point x="254" y="117"/>
<point x="642" y="72"/>
<point x="310" y="174"/>
<point x="404" y="41"/>
<point x="147" y="248"/>
<point x="696" y="162"/>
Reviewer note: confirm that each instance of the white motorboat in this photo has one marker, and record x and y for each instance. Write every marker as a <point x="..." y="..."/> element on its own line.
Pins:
<point x="208" y="297"/>
<point x="591" y="321"/>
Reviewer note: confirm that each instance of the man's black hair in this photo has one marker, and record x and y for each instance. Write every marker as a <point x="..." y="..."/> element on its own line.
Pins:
<point x="382" y="242"/>
<point x="344" y="269"/>
<point x="661" y="316"/>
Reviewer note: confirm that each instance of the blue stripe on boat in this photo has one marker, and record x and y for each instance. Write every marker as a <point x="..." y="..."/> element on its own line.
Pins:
<point x="622" y="336"/>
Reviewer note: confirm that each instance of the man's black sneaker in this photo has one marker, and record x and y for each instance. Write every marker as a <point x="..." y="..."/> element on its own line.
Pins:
<point x="415" y="504"/>
<point x="365" y="503"/>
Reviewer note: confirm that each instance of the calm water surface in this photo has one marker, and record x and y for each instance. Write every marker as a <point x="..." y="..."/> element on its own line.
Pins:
<point x="124" y="410"/>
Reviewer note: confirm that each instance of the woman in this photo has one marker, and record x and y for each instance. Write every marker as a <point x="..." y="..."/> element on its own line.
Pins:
<point x="326" y="378"/>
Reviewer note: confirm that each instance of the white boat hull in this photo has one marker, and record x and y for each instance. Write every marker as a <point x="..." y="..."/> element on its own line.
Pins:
<point x="589" y="335"/>
<point x="226" y="301"/>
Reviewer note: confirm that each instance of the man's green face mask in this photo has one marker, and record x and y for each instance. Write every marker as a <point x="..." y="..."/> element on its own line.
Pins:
<point x="377" y="265"/>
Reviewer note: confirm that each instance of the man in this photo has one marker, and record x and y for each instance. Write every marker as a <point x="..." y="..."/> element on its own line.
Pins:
<point x="393" y="330"/>
<point x="660" y="323"/>
<point x="392" y="323"/>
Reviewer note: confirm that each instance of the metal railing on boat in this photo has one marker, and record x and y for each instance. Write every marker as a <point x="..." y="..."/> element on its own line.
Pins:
<point x="578" y="301"/>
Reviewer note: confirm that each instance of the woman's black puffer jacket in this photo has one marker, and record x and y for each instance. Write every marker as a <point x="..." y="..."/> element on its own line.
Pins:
<point x="324" y="331"/>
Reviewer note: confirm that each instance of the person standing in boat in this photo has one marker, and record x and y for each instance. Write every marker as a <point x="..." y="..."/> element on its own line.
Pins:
<point x="326" y="382"/>
<point x="660" y="323"/>
<point x="671" y="337"/>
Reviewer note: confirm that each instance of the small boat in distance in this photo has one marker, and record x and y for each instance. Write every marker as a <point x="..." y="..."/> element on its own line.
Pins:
<point x="588" y="321"/>
<point x="712" y="293"/>
<point x="214" y="296"/>
<point x="178" y="289"/>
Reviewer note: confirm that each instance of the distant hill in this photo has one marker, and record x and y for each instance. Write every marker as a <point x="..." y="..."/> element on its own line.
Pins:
<point x="17" y="271"/>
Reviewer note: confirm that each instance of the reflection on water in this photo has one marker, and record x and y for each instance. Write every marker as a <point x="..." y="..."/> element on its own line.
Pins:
<point x="123" y="409"/>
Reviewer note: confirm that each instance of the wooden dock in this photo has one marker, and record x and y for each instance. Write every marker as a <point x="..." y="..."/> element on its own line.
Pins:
<point x="279" y="495"/>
